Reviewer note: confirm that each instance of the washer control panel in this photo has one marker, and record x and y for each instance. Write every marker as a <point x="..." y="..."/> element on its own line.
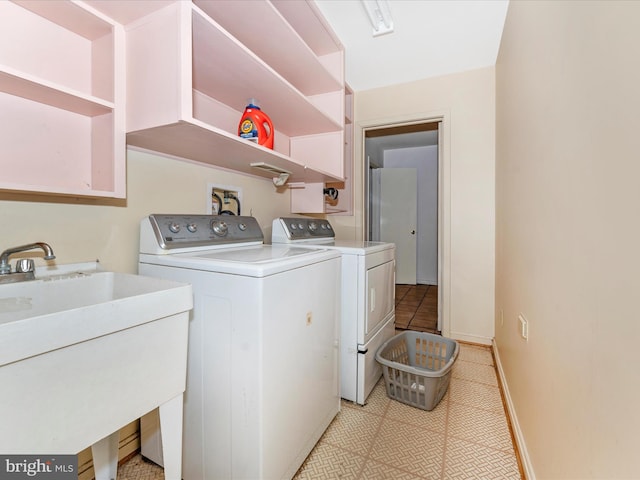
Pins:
<point x="289" y="229"/>
<point x="186" y="231"/>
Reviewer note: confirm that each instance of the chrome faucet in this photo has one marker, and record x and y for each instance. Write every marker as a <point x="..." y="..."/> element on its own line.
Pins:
<point x="5" y="266"/>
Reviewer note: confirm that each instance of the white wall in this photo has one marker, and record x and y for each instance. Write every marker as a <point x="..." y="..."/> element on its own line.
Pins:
<point x="425" y="161"/>
<point x="467" y="103"/>
<point x="79" y="230"/>
<point x="568" y="233"/>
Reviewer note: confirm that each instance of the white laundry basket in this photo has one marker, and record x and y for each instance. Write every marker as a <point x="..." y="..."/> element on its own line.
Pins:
<point x="417" y="367"/>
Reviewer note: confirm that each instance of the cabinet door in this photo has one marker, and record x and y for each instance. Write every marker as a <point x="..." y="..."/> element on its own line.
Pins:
<point x="380" y="293"/>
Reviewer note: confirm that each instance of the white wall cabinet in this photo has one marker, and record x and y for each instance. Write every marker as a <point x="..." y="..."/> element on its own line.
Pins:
<point x="62" y="100"/>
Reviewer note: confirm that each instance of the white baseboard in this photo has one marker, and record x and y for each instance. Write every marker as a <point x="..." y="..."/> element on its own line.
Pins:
<point x="513" y="418"/>
<point x="465" y="337"/>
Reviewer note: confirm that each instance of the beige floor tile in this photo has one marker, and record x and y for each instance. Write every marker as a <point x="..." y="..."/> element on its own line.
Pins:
<point x="434" y="420"/>
<point x="139" y="469"/>
<point x="376" y="403"/>
<point x="327" y="461"/>
<point x="353" y="430"/>
<point x="475" y="372"/>
<point x="479" y="395"/>
<point x="409" y="448"/>
<point x="374" y="470"/>
<point x="465" y="460"/>
<point x="476" y="354"/>
<point x="479" y="426"/>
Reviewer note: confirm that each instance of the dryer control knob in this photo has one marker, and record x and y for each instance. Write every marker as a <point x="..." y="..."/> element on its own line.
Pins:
<point x="192" y="227"/>
<point x="219" y="228"/>
<point x="174" y="227"/>
<point x="313" y="226"/>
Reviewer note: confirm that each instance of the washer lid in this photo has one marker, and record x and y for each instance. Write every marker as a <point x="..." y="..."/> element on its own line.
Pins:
<point x="252" y="261"/>
<point x="356" y="247"/>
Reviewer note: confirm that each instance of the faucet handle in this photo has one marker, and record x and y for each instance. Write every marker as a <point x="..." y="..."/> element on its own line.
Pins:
<point x="25" y="265"/>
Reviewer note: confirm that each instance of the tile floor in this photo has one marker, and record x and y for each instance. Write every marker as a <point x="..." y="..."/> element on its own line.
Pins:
<point x="417" y="308"/>
<point x="466" y="436"/>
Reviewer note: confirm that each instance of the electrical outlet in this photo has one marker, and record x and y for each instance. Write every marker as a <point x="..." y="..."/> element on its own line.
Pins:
<point x="524" y="327"/>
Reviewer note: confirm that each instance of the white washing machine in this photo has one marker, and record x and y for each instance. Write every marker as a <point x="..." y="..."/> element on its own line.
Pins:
<point x="368" y="298"/>
<point x="262" y="373"/>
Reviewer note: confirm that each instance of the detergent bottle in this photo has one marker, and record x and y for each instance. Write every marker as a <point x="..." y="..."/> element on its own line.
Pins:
<point x="256" y="125"/>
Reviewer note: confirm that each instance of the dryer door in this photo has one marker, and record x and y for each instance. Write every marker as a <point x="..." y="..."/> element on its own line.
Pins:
<point x="380" y="294"/>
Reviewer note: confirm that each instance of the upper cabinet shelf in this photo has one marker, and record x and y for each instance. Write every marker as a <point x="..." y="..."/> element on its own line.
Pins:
<point x="214" y="55"/>
<point x="62" y="97"/>
<point x="192" y="67"/>
<point x="265" y="31"/>
<point x="14" y="82"/>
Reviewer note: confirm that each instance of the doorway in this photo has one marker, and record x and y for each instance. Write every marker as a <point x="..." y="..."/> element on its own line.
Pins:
<point x="402" y="164"/>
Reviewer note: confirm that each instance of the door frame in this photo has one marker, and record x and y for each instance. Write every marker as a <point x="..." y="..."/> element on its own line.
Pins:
<point x="444" y="197"/>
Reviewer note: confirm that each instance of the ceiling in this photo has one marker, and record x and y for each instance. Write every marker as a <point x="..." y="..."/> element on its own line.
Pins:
<point x="430" y="38"/>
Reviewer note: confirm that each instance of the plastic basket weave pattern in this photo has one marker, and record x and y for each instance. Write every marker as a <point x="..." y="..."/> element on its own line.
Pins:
<point x="417" y="367"/>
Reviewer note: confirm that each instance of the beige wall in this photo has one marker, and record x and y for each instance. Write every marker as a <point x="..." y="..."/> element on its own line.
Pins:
<point x="568" y="233"/>
<point x="85" y="232"/>
<point x="466" y="101"/>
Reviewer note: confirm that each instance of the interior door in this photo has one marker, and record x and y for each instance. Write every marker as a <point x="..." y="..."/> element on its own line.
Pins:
<point x="399" y="218"/>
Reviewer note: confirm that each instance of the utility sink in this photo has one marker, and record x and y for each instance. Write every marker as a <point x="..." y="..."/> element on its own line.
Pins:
<point x="60" y="310"/>
<point x="83" y="352"/>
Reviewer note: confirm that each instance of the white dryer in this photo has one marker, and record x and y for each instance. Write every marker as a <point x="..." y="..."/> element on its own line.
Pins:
<point x="368" y="298"/>
<point x="262" y="373"/>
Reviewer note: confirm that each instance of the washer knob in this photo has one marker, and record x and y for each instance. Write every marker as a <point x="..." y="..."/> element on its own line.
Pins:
<point x="313" y="226"/>
<point x="220" y="228"/>
<point x="242" y="226"/>
<point x="174" y="227"/>
<point x="192" y="227"/>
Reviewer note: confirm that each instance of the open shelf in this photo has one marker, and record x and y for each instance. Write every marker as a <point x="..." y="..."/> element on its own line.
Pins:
<point x="62" y="128"/>
<point x="245" y="76"/>
<point x="200" y="142"/>
<point x="276" y="42"/>
<point x="189" y="79"/>
<point x="15" y="83"/>
<point x="51" y="150"/>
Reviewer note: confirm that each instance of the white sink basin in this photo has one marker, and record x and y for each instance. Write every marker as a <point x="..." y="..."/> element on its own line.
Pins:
<point x="42" y="315"/>
<point x="84" y="354"/>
